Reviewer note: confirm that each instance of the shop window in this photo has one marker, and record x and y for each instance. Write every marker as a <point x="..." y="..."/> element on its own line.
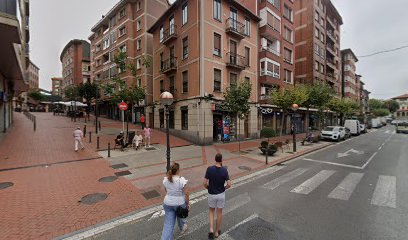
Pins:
<point x="184" y="119"/>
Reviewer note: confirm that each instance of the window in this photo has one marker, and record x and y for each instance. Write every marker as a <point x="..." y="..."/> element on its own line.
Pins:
<point x="288" y="76"/>
<point x="171" y="26"/>
<point x="161" y="61"/>
<point x="321" y="68"/>
<point x="322" y="21"/>
<point x="217" y="45"/>
<point x="112" y="22"/>
<point x="171" y="119"/>
<point x="217" y="9"/>
<point x="184" y="118"/>
<point x="139" y="6"/>
<point x="122" y="13"/>
<point x="139" y="44"/>
<point x="247" y="79"/>
<point x="317" y="17"/>
<point x="171" y="84"/>
<point x="161" y="33"/>
<point x="274" y="22"/>
<point x="217" y="80"/>
<point x="106" y="43"/>
<point x="275" y="3"/>
<point x="122" y="48"/>
<point x="247" y="26"/>
<point x="288" y="13"/>
<point x="98" y="48"/>
<point x="185" y="47"/>
<point x="185" y="82"/>
<point x="139" y="82"/>
<point x="138" y="63"/>
<point x="138" y="25"/>
<point x="322" y="37"/>
<point x="287" y="54"/>
<point x="317" y="49"/>
<point x="161" y="86"/>
<point x="317" y="33"/>
<point x="113" y="37"/>
<point x="247" y="56"/>
<point x="288" y="34"/>
<point x="270" y="68"/>
<point x="233" y="79"/>
<point x="317" y="66"/>
<point x="122" y="31"/>
<point x="184" y="14"/>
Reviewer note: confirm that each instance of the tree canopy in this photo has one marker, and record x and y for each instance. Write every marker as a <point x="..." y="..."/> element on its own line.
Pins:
<point x="237" y="98"/>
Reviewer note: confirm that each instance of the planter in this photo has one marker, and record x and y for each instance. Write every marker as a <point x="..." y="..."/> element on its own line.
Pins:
<point x="270" y="151"/>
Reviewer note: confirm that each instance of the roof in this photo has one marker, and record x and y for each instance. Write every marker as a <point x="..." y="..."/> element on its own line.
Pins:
<point x="31" y="62"/>
<point x="72" y="42"/>
<point x="56" y="78"/>
<point x="348" y="50"/>
<point x="401" y="97"/>
<point x="177" y="3"/>
<point x="330" y="5"/>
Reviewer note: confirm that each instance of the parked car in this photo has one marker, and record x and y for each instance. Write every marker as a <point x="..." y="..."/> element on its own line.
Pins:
<point x="363" y="128"/>
<point x="336" y="133"/>
<point x="376" y="123"/>
<point x="402" y="127"/>
<point x="353" y="125"/>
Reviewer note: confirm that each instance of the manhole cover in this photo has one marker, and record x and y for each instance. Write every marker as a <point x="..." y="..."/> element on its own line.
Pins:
<point x="245" y="168"/>
<point x="151" y="194"/>
<point x="250" y="150"/>
<point x="122" y="173"/>
<point x="108" y="179"/>
<point x="258" y="228"/>
<point x="150" y="148"/>
<point x="5" y="185"/>
<point x="93" y="198"/>
<point x="120" y="165"/>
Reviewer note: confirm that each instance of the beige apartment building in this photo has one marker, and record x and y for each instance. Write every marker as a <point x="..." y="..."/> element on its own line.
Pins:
<point x="351" y="80"/>
<point x="56" y="86"/>
<point x="201" y="47"/>
<point x="124" y="29"/>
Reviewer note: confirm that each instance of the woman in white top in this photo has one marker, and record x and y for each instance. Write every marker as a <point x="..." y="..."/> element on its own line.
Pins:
<point x="176" y="195"/>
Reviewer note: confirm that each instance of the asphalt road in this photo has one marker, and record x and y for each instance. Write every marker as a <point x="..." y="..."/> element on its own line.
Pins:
<point x="357" y="189"/>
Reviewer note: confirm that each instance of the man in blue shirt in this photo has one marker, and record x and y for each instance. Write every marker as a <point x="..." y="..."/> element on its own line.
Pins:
<point x="215" y="178"/>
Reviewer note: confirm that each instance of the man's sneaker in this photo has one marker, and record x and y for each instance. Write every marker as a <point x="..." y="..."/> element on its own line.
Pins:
<point x="184" y="230"/>
<point x="210" y="235"/>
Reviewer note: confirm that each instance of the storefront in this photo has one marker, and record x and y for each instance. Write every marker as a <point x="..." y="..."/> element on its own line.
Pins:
<point x="224" y="125"/>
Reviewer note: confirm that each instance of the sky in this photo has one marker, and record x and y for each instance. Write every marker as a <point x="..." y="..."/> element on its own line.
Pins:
<point x="369" y="26"/>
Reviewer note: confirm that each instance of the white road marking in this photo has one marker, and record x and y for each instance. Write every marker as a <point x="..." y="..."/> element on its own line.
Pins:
<point x="332" y="163"/>
<point x="385" y="193"/>
<point x="284" y="178"/>
<point x="369" y="160"/>
<point x="312" y="183"/>
<point x="344" y="190"/>
<point x="388" y="131"/>
<point x="226" y="236"/>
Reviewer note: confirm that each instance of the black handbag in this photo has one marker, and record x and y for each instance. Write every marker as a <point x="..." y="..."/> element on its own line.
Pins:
<point x="180" y="211"/>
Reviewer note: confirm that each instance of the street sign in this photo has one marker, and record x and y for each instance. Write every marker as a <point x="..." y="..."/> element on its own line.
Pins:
<point x="123" y="106"/>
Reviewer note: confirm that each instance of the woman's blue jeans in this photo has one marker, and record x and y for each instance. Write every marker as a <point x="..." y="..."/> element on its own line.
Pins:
<point x="170" y="221"/>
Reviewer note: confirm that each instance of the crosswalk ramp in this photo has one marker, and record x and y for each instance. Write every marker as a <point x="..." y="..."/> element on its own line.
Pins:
<point x="384" y="194"/>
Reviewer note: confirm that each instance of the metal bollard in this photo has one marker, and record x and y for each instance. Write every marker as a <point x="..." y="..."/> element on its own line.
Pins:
<point x="85" y="130"/>
<point x="108" y="149"/>
<point x="35" y="125"/>
<point x="266" y="157"/>
<point x="97" y="142"/>
<point x="100" y="126"/>
<point x="90" y="137"/>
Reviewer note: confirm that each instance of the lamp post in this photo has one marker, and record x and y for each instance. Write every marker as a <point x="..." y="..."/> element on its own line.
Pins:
<point x="166" y="99"/>
<point x="294" y="108"/>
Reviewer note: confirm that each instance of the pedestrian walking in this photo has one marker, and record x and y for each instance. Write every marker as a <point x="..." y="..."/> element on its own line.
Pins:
<point x="78" y="135"/>
<point x="143" y="121"/>
<point x="177" y="197"/>
<point x="216" y="180"/>
<point x="147" y="133"/>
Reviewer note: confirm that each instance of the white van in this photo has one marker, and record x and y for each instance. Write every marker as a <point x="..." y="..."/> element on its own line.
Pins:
<point x="353" y="125"/>
<point x="376" y="123"/>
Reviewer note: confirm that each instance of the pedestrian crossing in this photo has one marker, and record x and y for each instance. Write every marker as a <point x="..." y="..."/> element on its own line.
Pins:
<point x="384" y="194"/>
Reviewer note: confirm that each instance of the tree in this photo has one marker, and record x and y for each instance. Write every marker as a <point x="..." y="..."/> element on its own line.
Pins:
<point x="375" y="104"/>
<point x="381" y="112"/>
<point x="319" y="96"/>
<point x="391" y="105"/>
<point x="36" y="95"/>
<point x="71" y="93"/>
<point x="88" y="91"/>
<point x="284" y="98"/>
<point x="236" y="100"/>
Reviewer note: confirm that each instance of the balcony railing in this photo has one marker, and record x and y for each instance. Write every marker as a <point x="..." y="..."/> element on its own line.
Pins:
<point x="236" y="61"/>
<point x="266" y="72"/>
<point x="272" y="50"/>
<point x="169" y="65"/>
<point x="236" y="28"/>
<point x="169" y="34"/>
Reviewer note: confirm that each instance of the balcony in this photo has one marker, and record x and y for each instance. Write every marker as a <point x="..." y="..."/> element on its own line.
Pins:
<point x="169" y="34"/>
<point x="169" y="65"/>
<point x="330" y="77"/>
<point x="331" y="50"/>
<point x="235" y="28"/>
<point x="331" y="35"/>
<point x="271" y="50"/>
<point x="236" y="61"/>
<point x="331" y="64"/>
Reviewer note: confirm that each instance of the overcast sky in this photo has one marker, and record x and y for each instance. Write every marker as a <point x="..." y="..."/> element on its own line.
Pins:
<point x="369" y="26"/>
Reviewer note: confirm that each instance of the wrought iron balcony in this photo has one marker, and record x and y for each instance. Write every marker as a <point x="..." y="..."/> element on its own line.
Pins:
<point x="169" y="34"/>
<point x="168" y="65"/>
<point x="236" y="61"/>
<point x="236" y="28"/>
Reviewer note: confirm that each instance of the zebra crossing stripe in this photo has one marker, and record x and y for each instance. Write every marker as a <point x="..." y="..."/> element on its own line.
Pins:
<point x="385" y="193"/>
<point x="312" y="183"/>
<point x="344" y="190"/>
<point x="226" y="236"/>
<point x="284" y="178"/>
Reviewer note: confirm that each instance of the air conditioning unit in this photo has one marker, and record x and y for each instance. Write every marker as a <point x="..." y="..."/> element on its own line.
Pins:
<point x="263" y="90"/>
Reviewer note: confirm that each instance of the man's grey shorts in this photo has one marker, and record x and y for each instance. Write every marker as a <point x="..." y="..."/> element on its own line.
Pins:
<point x="217" y="200"/>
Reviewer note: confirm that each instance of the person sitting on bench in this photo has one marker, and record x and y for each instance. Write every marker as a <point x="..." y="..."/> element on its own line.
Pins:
<point x="120" y="140"/>
<point x="309" y="137"/>
<point x="137" y="140"/>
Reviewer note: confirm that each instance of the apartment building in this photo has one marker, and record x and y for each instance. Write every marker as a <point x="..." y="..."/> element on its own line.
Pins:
<point x="33" y="75"/>
<point x="75" y="60"/>
<point x="202" y="47"/>
<point x="402" y="112"/>
<point x="317" y="43"/>
<point x="350" y="80"/>
<point x="364" y="98"/>
<point x="56" y="86"/>
<point x="15" y="54"/>
<point x="124" y="29"/>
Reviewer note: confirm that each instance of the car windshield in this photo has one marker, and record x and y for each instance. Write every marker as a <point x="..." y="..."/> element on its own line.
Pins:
<point x="331" y="129"/>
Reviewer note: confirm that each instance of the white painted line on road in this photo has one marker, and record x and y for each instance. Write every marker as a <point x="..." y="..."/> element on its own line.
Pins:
<point x="332" y="163"/>
<point x="369" y="160"/>
<point x="312" y="183"/>
<point x="284" y="178"/>
<point x="344" y="190"/>
<point x="385" y="193"/>
<point x="226" y="236"/>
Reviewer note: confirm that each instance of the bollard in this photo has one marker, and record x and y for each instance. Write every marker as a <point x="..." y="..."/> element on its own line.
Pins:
<point x="35" y="125"/>
<point x="266" y="157"/>
<point x="85" y="119"/>
<point x="100" y="126"/>
<point x="90" y="139"/>
<point x="85" y="130"/>
<point x="97" y="142"/>
<point x="108" y="149"/>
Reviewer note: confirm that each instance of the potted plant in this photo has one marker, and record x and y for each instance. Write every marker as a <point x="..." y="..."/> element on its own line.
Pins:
<point x="267" y="148"/>
<point x="268" y="133"/>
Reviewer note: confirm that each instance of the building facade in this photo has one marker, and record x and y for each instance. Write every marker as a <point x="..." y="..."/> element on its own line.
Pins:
<point x="124" y="29"/>
<point x="364" y="98"/>
<point x="317" y="41"/>
<point x="350" y="80"/>
<point x="34" y="74"/>
<point x="15" y="55"/>
<point x="402" y="112"/>
<point x="75" y="60"/>
<point x="201" y="47"/>
<point x="56" y="86"/>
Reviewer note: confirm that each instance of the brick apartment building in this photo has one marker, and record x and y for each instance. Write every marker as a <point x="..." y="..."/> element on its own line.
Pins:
<point x="351" y="80"/>
<point x="56" y="86"/>
<point x="317" y="42"/>
<point x="33" y="72"/>
<point x="75" y="60"/>
<point x="364" y="98"/>
<point x="124" y="28"/>
<point x="201" y="47"/>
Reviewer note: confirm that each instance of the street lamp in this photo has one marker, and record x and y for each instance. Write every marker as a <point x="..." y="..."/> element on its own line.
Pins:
<point x="294" y="108"/>
<point x="166" y="99"/>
